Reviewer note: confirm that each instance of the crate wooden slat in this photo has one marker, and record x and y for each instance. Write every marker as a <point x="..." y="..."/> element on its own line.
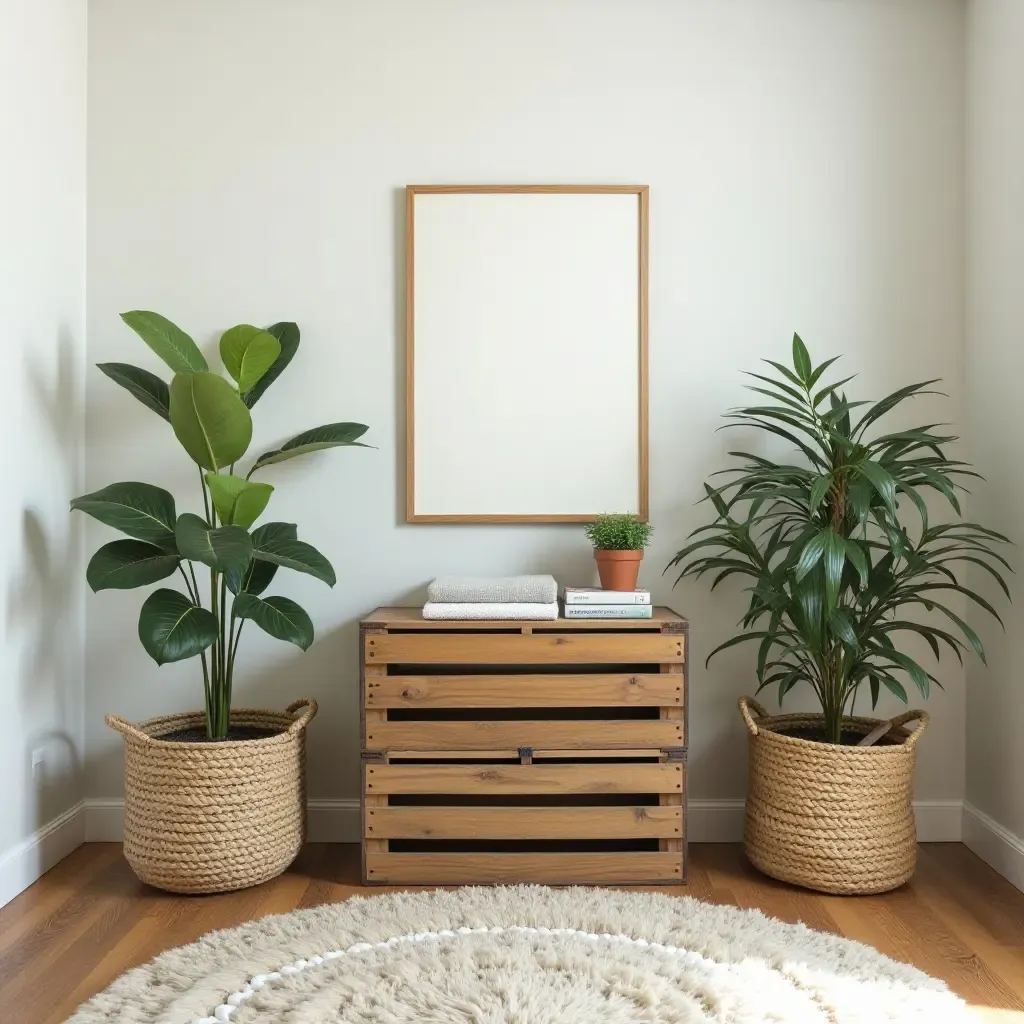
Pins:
<point x="615" y="689"/>
<point x="524" y="733"/>
<point x="628" y="822"/>
<point x="497" y="868"/>
<point x="533" y="752"/>
<point x="495" y="780"/>
<point x="406" y="619"/>
<point x="522" y="648"/>
<point x="539" y="754"/>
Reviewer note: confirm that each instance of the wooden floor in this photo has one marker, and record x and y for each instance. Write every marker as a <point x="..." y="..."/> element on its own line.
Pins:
<point x="89" y="919"/>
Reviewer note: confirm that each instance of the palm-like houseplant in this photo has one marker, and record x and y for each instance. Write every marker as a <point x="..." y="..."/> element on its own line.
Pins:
<point x="843" y="562"/>
<point x="224" y="565"/>
<point x="832" y="557"/>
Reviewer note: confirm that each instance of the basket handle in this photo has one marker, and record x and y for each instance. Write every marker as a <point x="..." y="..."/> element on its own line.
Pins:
<point x="748" y="704"/>
<point x="910" y="716"/>
<point x="125" y="728"/>
<point x="306" y="717"/>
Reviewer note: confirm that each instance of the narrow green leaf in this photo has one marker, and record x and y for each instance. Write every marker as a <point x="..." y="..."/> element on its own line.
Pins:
<point x="834" y="558"/>
<point x="873" y="684"/>
<point x="248" y="353"/>
<point x="137" y="509"/>
<point x="881" y="481"/>
<point x="147" y="387"/>
<point x="223" y="549"/>
<point x="896" y="688"/>
<point x="238" y="502"/>
<point x="167" y="340"/>
<point x="331" y="435"/>
<point x="859" y="559"/>
<point x="801" y="360"/>
<point x="840" y="625"/>
<point x="172" y="628"/>
<point x="278" y="616"/>
<point x="126" y="564"/>
<point x="287" y="334"/>
<point x="209" y="419"/>
<point x="819" y="489"/>
<point x="811" y="554"/>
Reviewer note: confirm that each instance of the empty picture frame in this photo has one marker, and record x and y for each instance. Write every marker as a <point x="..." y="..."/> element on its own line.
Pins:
<point x="526" y="352"/>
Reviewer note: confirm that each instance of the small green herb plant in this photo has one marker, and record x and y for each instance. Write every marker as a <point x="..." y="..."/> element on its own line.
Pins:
<point x="210" y="417"/>
<point x="837" y="547"/>
<point x="621" y="531"/>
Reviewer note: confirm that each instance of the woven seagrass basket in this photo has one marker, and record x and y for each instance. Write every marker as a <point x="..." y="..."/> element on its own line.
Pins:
<point x="837" y="819"/>
<point x="212" y="817"/>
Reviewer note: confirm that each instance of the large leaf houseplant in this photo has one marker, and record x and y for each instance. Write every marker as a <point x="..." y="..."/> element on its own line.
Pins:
<point x="223" y="563"/>
<point x="850" y="572"/>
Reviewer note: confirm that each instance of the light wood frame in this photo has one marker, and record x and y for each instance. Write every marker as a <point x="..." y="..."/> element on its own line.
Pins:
<point x="643" y="502"/>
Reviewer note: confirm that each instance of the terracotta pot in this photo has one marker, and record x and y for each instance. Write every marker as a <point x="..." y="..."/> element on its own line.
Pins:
<point x="618" y="569"/>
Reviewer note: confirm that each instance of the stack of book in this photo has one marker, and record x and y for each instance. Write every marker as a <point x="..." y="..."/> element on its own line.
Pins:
<point x="593" y="603"/>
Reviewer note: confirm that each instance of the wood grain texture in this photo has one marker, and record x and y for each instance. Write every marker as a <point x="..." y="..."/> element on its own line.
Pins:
<point x="522" y="649"/>
<point x="956" y="919"/>
<point x="523" y="779"/>
<point x="614" y="689"/>
<point x="566" y="735"/>
<point x="406" y="618"/>
<point x="640" y="822"/>
<point x="502" y="868"/>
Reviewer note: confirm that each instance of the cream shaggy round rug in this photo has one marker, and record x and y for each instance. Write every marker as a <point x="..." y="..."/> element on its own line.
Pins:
<point x="522" y="955"/>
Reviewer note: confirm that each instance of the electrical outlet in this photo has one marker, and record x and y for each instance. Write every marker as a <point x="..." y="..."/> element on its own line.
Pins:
<point x="38" y="762"/>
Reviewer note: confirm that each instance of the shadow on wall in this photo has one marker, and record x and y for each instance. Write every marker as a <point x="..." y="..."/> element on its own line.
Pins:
<point x="43" y="621"/>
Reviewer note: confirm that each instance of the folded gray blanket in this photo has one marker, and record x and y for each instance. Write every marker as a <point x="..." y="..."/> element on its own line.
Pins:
<point x="493" y="590"/>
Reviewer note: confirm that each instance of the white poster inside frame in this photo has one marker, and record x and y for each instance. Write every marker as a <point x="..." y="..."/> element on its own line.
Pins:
<point x="526" y="352"/>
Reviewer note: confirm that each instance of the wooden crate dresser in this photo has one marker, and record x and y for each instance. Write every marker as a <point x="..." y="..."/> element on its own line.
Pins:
<point x="500" y="752"/>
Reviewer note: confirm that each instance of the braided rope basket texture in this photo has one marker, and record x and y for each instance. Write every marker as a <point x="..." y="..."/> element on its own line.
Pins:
<point x="837" y="819"/>
<point x="213" y="817"/>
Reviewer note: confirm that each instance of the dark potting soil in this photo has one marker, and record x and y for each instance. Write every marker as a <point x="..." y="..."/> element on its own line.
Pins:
<point x="197" y="734"/>
<point x="849" y="739"/>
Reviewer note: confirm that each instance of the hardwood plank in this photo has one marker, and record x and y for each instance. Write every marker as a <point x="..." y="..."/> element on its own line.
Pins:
<point x="958" y="910"/>
<point x="525" y="822"/>
<point x="552" y="868"/>
<point x="518" y="648"/>
<point x="406" y="617"/>
<point x="611" y="689"/>
<point x="561" y="734"/>
<point x="524" y="778"/>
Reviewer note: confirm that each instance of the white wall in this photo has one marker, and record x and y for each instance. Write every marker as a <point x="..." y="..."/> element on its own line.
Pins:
<point x="246" y="161"/>
<point x="994" y="824"/>
<point x="42" y="337"/>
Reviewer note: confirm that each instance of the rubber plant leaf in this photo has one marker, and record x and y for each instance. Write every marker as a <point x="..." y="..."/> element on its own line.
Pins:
<point x="238" y="502"/>
<point x="126" y="564"/>
<point x="223" y="549"/>
<point x="209" y="419"/>
<point x="278" y="616"/>
<point x="172" y="628"/>
<point x="147" y="387"/>
<point x="331" y="435"/>
<point x="287" y="334"/>
<point x="140" y="510"/>
<point x="167" y="340"/>
<point x="248" y="352"/>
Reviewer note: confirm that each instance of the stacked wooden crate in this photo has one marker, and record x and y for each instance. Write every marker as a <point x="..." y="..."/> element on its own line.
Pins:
<point x="523" y="751"/>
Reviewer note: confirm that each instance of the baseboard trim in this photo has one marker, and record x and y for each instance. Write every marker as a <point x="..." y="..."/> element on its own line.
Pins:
<point x="995" y="845"/>
<point x="708" y="821"/>
<point x="30" y="859"/>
